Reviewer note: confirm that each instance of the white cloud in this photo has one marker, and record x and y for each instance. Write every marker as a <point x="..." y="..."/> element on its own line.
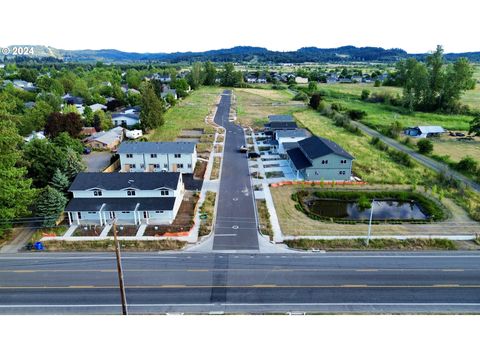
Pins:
<point x="189" y="25"/>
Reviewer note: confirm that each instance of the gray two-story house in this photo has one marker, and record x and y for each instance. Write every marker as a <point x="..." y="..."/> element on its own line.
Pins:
<point x="318" y="158"/>
<point x="129" y="198"/>
<point x="158" y="156"/>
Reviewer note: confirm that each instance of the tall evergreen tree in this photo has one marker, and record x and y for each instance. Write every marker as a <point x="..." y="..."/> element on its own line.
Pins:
<point x="151" y="115"/>
<point x="49" y="205"/>
<point x="60" y="181"/>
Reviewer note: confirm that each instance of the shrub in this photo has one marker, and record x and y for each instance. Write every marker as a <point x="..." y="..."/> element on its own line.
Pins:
<point x="301" y="96"/>
<point x="468" y="165"/>
<point x="365" y="94"/>
<point x="356" y="114"/>
<point x="425" y="146"/>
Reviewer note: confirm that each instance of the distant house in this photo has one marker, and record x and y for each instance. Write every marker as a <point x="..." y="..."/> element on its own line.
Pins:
<point x="357" y="78"/>
<point x="126" y="120"/>
<point x="262" y="79"/>
<point x="424" y="131"/>
<point x="125" y="89"/>
<point x="167" y="92"/>
<point x="382" y="77"/>
<point x="317" y="158"/>
<point x="301" y="80"/>
<point x="35" y="135"/>
<point x="72" y="100"/>
<point x="164" y="78"/>
<point x="24" y="85"/>
<point x="97" y="107"/>
<point x="88" y="131"/>
<point x="158" y="156"/>
<point x="345" y="81"/>
<point x="29" y="104"/>
<point x="273" y="126"/>
<point x="106" y="140"/>
<point x="331" y="80"/>
<point x="139" y="198"/>
<point x="289" y="138"/>
<point x="281" y="118"/>
<point x="251" y="79"/>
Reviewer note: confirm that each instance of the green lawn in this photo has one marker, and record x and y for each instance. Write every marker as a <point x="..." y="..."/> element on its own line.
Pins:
<point x="188" y="113"/>
<point x="382" y="115"/>
<point x="370" y="164"/>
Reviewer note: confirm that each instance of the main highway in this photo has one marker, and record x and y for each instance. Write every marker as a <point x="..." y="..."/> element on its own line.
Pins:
<point x="297" y="282"/>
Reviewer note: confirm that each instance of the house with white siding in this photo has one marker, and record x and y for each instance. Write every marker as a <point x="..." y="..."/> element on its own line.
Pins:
<point x="157" y="156"/>
<point x="128" y="198"/>
<point x="287" y="139"/>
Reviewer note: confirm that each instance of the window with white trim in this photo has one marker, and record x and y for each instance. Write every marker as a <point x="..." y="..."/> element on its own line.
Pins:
<point x="164" y="192"/>
<point x="153" y="156"/>
<point x="177" y="156"/>
<point x="97" y="192"/>
<point x="129" y="156"/>
<point x="130" y="192"/>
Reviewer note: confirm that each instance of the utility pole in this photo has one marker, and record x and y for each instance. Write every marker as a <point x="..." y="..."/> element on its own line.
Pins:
<point x="370" y="223"/>
<point x="119" y="269"/>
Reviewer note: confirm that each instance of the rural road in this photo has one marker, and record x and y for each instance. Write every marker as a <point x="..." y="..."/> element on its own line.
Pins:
<point x="376" y="282"/>
<point x="424" y="160"/>
<point x="236" y="224"/>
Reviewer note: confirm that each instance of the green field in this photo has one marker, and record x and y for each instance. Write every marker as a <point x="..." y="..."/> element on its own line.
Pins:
<point x="370" y="164"/>
<point x="188" y="113"/>
<point x="382" y="115"/>
<point x="254" y="105"/>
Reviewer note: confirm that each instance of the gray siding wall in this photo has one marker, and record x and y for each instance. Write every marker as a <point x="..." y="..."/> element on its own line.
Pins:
<point x="332" y="169"/>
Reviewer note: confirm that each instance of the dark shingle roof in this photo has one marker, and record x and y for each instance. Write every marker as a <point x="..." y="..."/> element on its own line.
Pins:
<point x="85" y="204"/>
<point x="315" y="147"/>
<point x="298" y="158"/>
<point x="290" y="145"/>
<point x="291" y="133"/>
<point x="275" y="118"/>
<point x="120" y="204"/>
<point x="278" y="125"/>
<point x="132" y="147"/>
<point x="118" y="181"/>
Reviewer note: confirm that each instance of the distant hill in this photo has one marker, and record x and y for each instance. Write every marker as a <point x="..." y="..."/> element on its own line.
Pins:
<point x="241" y="54"/>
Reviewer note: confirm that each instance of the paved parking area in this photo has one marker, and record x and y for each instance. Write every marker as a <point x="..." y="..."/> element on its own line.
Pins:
<point x="96" y="161"/>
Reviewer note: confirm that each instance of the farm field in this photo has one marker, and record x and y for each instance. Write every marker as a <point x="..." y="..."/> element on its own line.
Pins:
<point x="187" y="114"/>
<point x="371" y="164"/>
<point x="382" y="115"/>
<point x="254" y="105"/>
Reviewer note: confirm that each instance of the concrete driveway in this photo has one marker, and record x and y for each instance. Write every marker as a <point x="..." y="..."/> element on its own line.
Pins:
<point x="96" y="161"/>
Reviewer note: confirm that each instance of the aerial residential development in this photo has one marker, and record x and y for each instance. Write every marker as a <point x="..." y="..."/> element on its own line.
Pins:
<point x="248" y="186"/>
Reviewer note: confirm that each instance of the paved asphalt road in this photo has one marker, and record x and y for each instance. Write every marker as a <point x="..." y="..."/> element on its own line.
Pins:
<point x="439" y="282"/>
<point x="424" y="160"/>
<point x="236" y="224"/>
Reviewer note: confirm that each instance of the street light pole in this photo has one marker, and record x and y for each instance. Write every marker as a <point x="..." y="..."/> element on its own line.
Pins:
<point x="370" y="222"/>
<point x="119" y="269"/>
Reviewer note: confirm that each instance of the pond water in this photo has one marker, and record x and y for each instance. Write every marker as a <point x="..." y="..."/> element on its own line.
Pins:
<point x="382" y="210"/>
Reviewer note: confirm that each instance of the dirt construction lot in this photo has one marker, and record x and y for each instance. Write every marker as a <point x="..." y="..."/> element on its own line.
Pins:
<point x="295" y="223"/>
